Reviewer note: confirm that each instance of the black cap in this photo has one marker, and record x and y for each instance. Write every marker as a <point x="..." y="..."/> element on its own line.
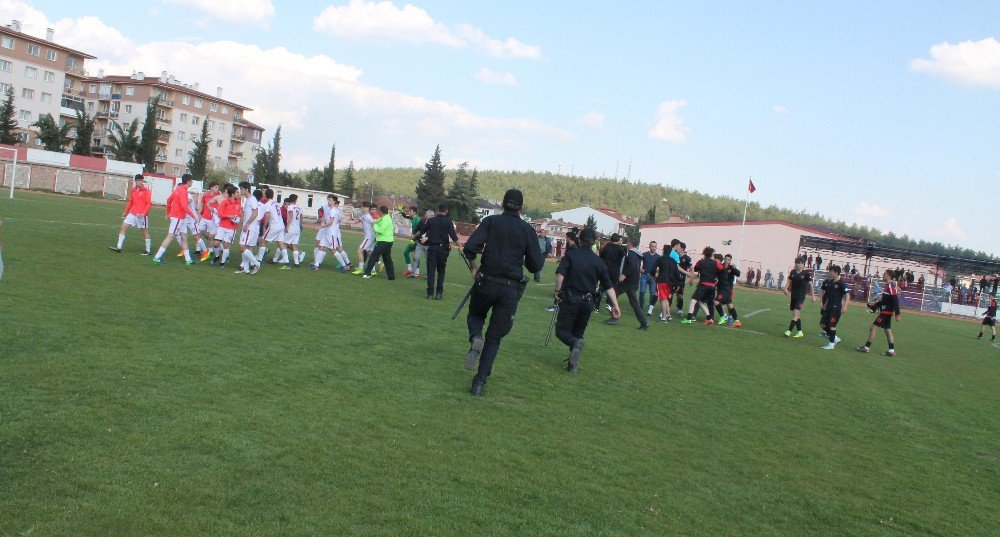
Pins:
<point x="513" y="200"/>
<point x="588" y="235"/>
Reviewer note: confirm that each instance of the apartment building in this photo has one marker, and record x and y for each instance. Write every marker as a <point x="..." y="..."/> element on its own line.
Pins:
<point x="43" y="75"/>
<point x="181" y="111"/>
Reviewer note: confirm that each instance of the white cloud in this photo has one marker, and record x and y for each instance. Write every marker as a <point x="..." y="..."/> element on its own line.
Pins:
<point x="780" y="110"/>
<point x="384" y="22"/>
<point x="970" y="63"/>
<point x="486" y="76"/>
<point x="669" y="126"/>
<point x="235" y="11"/>
<point x="953" y="230"/>
<point x="593" y="120"/>
<point x="871" y="209"/>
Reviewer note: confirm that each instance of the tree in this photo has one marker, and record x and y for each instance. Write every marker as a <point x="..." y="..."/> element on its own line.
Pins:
<point x="146" y="155"/>
<point x="274" y="159"/>
<point x="329" y="173"/>
<point x="259" y="170"/>
<point x="347" y="183"/>
<point x="84" y="134"/>
<point x="650" y="216"/>
<point x="430" y="188"/>
<point x="591" y="223"/>
<point x="54" y="137"/>
<point x="462" y="196"/>
<point x="124" y="141"/>
<point x="8" y="123"/>
<point x="198" y="157"/>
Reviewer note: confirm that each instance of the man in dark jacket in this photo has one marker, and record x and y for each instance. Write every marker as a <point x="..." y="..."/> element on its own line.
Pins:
<point x="628" y="283"/>
<point x="437" y="234"/>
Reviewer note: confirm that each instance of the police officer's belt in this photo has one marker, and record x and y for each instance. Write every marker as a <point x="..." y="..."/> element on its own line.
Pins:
<point x="578" y="296"/>
<point x="501" y="280"/>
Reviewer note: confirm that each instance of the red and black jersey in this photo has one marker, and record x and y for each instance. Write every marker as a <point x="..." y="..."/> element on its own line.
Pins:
<point x="728" y="278"/>
<point x="708" y="270"/>
<point x="889" y="304"/>
<point x="991" y="311"/>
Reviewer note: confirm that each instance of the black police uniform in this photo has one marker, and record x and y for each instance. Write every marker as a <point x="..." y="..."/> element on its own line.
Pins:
<point x="437" y="230"/>
<point x="631" y="269"/>
<point x="582" y="271"/>
<point x="506" y="243"/>
<point x="613" y="254"/>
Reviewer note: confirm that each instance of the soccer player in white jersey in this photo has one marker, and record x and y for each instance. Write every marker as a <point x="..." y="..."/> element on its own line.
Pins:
<point x="250" y="232"/>
<point x="274" y="224"/>
<point x="290" y="238"/>
<point x="332" y="240"/>
<point x="368" y="242"/>
<point x="322" y="220"/>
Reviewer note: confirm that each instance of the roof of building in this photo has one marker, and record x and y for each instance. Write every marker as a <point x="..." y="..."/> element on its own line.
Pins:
<point x="155" y="81"/>
<point x="813" y="230"/>
<point x="8" y="31"/>
<point x="247" y="123"/>
<point x="616" y="215"/>
<point x="487" y="204"/>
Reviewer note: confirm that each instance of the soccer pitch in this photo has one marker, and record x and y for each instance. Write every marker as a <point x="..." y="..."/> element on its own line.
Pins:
<point x="172" y="400"/>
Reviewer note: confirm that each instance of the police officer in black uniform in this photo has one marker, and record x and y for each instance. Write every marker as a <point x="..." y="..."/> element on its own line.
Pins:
<point x="506" y="243"/>
<point x="434" y="233"/>
<point x="577" y="279"/>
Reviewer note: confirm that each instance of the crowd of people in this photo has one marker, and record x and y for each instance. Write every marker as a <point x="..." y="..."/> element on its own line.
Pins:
<point x="504" y="243"/>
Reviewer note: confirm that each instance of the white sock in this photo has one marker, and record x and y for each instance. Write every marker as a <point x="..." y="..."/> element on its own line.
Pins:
<point x="261" y="252"/>
<point x="149" y="244"/>
<point x="320" y="256"/>
<point x="225" y="254"/>
<point x="347" y="260"/>
<point x="279" y="254"/>
<point x="178" y="237"/>
<point x="121" y="242"/>
<point x="339" y="258"/>
<point x="160" y="252"/>
<point x="284" y="257"/>
<point x="200" y="245"/>
<point x="316" y="252"/>
<point x="187" y="255"/>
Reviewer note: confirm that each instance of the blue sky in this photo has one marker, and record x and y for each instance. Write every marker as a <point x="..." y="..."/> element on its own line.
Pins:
<point x="880" y="113"/>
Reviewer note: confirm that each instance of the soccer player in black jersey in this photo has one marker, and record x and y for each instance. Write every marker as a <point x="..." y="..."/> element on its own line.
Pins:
<point x="727" y="281"/>
<point x="990" y="319"/>
<point x="707" y="270"/>
<point x="799" y="283"/>
<point x="887" y="307"/>
<point x="685" y="265"/>
<point x="835" y="298"/>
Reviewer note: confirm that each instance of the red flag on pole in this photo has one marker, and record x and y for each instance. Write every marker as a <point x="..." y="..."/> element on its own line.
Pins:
<point x="752" y="188"/>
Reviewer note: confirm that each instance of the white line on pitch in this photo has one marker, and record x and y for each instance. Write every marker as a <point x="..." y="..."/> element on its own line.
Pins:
<point x="752" y="313"/>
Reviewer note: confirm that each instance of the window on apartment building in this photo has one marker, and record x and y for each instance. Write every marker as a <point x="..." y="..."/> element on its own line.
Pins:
<point x="211" y="124"/>
<point x="4" y="87"/>
<point x="93" y="88"/>
<point x="184" y="117"/>
<point x="225" y="109"/>
<point x="218" y="161"/>
<point x="22" y="137"/>
<point x="38" y="142"/>
<point x="90" y="107"/>
<point x="186" y="100"/>
<point x="177" y="152"/>
<point x="180" y="135"/>
<point x="197" y="103"/>
<point x="51" y="55"/>
<point x="46" y="98"/>
<point x="219" y="144"/>
<point x="71" y="63"/>
<point x="195" y="120"/>
<point x="130" y="90"/>
<point x="222" y="126"/>
<point x="49" y="76"/>
<point x="31" y="72"/>
<point x="8" y="42"/>
<point x="6" y="66"/>
<point x="177" y="170"/>
<point x="256" y="135"/>
<point x="28" y="94"/>
<point x="105" y="88"/>
<point x="213" y="107"/>
<point x="128" y="109"/>
<point x="25" y="115"/>
<point x="68" y="83"/>
<point x="34" y="50"/>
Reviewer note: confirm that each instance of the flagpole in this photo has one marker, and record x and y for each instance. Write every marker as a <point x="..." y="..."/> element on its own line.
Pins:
<point x="739" y="252"/>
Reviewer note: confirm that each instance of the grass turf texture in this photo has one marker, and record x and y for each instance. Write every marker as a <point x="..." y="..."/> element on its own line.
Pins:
<point x="142" y="399"/>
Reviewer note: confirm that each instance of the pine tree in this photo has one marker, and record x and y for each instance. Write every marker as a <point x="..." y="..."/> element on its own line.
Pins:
<point x="198" y="157"/>
<point x="274" y="159"/>
<point x="329" y="173"/>
<point x="146" y="154"/>
<point x="124" y="141"/>
<point x="591" y="223"/>
<point x="347" y="182"/>
<point x="8" y="123"/>
<point x="259" y="170"/>
<point x="650" y="216"/>
<point x="462" y="196"/>
<point x="54" y="137"/>
<point x="430" y="188"/>
<point x="84" y="134"/>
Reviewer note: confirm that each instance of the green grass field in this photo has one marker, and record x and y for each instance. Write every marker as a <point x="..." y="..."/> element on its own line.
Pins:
<point x="172" y="400"/>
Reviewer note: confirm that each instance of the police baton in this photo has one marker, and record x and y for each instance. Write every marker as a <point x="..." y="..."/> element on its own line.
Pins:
<point x="467" y="293"/>
<point x="552" y="324"/>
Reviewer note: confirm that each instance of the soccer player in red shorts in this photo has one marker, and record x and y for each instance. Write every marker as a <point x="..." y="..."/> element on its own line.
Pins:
<point x="887" y="307"/>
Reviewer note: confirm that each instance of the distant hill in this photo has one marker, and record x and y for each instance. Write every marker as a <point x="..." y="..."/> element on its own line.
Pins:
<point x="545" y="192"/>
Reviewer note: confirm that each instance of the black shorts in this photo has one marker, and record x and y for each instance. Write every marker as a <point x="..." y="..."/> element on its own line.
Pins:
<point x="883" y="321"/>
<point x="797" y="302"/>
<point x="989" y="321"/>
<point x="725" y="296"/>
<point x="704" y="294"/>
<point x="830" y="318"/>
<point x="678" y="289"/>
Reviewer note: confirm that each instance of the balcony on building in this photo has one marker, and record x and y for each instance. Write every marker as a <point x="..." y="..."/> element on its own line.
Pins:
<point x="161" y="157"/>
<point x="163" y="138"/>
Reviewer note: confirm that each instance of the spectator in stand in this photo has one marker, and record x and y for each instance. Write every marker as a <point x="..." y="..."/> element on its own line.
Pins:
<point x="819" y="263"/>
<point x="984" y="284"/>
<point x="946" y="290"/>
<point x="809" y="262"/>
<point x="829" y="266"/>
<point x="559" y="248"/>
<point x="847" y="268"/>
<point x="768" y="279"/>
<point x="749" y="276"/>
<point x="920" y="282"/>
<point x="757" y="278"/>
<point x="781" y="280"/>
<point x="909" y="278"/>
<point x="963" y="291"/>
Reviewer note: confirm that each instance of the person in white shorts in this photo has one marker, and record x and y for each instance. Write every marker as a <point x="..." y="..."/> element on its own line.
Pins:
<point x="274" y="226"/>
<point x="367" y="245"/>
<point x="290" y="238"/>
<point x="207" y="206"/>
<point x="250" y="231"/>
<point x="332" y="240"/>
<point x="228" y="213"/>
<point x="178" y="209"/>
<point x="191" y="223"/>
<point x="136" y="214"/>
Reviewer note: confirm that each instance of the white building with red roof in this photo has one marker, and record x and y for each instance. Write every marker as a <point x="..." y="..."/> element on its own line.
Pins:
<point x="608" y="220"/>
